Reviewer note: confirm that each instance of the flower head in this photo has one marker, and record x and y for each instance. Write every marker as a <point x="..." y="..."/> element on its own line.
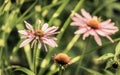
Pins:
<point x="62" y="59"/>
<point x="91" y="25"/>
<point x="43" y="36"/>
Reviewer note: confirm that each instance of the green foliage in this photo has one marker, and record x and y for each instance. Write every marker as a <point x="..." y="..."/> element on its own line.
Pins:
<point x="25" y="70"/>
<point x="34" y="61"/>
<point x="105" y="56"/>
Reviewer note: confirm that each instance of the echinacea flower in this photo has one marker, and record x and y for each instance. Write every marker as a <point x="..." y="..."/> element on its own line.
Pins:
<point x="42" y="36"/>
<point x="91" y="25"/>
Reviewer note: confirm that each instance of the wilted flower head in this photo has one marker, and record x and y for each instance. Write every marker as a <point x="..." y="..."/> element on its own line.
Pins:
<point x="91" y="25"/>
<point x="62" y="59"/>
<point x="42" y="36"/>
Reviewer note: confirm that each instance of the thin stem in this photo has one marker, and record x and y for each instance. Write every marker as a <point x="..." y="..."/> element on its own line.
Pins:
<point x="71" y="43"/>
<point x="34" y="57"/>
<point x="65" y="25"/>
<point x="1" y="59"/>
<point x="57" y="13"/>
<point x="60" y="70"/>
<point x="82" y="57"/>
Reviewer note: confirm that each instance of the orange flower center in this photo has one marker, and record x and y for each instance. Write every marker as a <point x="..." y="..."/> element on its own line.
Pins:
<point x="93" y="24"/>
<point x="62" y="59"/>
<point x="39" y="33"/>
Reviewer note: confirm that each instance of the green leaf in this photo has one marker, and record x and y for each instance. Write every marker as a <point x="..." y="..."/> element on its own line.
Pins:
<point x="105" y="56"/>
<point x="25" y="70"/>
<point x="109" y="63"/>
<point x="117" y="49"/>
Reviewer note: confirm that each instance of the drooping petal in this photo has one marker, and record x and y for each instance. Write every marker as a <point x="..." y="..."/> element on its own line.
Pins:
<point x="100" y="32"/>
<point x="29" y="26"/>
<point x="110" y="38"/>
<point x="85" y="35"/>
<point x="81" y="30"/>
<point x="96" y="37"/>
<point x="50" y="42"/>
<point x="45" y="26"/>
<point x="45" y="47"/>
<point x="25" y="42"/>
<point x="85" y="14"/>
<point x="33" y="42"/>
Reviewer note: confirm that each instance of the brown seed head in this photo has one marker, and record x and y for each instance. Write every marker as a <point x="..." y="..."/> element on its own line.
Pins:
<point x="93" y="23"/>
<point x="62" y="59"/>
<point x="39" y="33"/>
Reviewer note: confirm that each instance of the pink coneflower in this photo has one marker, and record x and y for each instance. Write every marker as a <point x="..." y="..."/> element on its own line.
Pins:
<point x="91" y="25"/>
<point x="43" y="35"/>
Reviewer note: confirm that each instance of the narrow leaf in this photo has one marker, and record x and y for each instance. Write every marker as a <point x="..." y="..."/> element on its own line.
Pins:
<point x="105" y="56"/>
<point x="25" y="70"/>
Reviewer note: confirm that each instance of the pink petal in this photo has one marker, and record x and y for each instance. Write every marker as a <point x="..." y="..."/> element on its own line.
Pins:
<point x="86" y="35"/>
<point x="81" y="30"/>
<point x="50" y="42"/>
<point x="33" y="42"/>
<point x="51" y="30"/>
<point x="104" y="34"/>
<point x="50" y="34"/>
<point x="85" y="14"/>
<point x="45" y="47"/>
<point x="107" y="31"/>
<point x="110" y="39"/>
<point x="105" y="22"/>
<point x="100" y="32"/>
<point x="78" y="24"/>
<point x="96" y="37"/>
<point x="45" y="26"/>
<point x="29" y="26"/>
<point x="25" y="42"/>
<point x="24" y="32"/>
<point x="78" y="18"/>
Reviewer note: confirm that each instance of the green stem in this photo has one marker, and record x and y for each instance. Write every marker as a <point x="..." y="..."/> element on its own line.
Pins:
<point x="34" y="57"/>
<point x="82" y="57"/>
<point x="1" y="59"/>
<point x="57" y="13"/>
<point x="60" y="70"/>
<point x="71" y="43"/>
<point x="65" y="25"/>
